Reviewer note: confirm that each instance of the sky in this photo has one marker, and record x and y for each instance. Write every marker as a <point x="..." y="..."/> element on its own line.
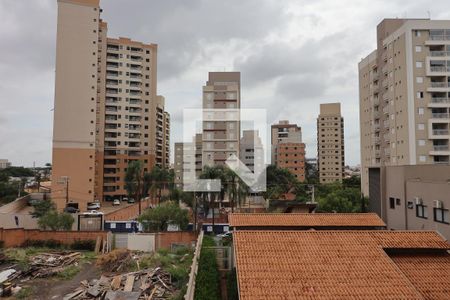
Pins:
<point x="292" y="55"/>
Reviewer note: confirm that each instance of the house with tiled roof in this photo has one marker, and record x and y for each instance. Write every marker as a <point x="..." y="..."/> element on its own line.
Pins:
<point x="342" y="264"/>
<point x="305" y="221"/>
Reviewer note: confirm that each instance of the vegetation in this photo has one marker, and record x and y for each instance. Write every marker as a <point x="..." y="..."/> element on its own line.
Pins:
<point x="53" y="220"/>
<point x="232" y="288"/>
<point x="68" y="272"/>
<point x="24" y="293"/>
<point x="207" y="284"/>
<point x="40" y="208"/>
<point x="159" y="218"/>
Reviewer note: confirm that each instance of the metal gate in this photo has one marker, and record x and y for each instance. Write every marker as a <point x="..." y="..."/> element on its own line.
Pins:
<point x="120" y="240"/>
<point x="90" y="222"/>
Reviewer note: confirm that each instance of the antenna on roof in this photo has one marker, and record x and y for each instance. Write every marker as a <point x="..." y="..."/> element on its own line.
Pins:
<point x="429" y="14"/>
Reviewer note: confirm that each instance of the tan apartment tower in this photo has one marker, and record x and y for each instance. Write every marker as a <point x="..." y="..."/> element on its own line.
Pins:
<point x="404" y="89"/>
<point x="106" y="110"/>
<point x="288" y="150"/>
<point x="221" y="138"/>
<point x="330" y="143"/>
<point x="185" y="153"/>
<point x="251" y="150"/>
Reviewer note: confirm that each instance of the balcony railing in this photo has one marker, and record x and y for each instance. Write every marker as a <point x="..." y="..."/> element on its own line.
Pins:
<point x="440" y="84"/>
<point x="440" y="37"/>
<point x="440" y="53"/>
<point x="440" y="131"/>
<point x="440" y="100"/>
<point x="439" y="69"/>
<point x="440" y="147"/>
<point x="440" y="115"/>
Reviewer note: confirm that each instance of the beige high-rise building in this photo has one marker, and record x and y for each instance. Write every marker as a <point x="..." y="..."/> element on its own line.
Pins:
<point x="106" y="110"/>
<point x="330" y="143"/>
<point x="251" y="150"/>
<point x="288" y="150"/>
<point x="404" y="96"/>
<point x="185" y="153"/>
<point x="221" y="138"/>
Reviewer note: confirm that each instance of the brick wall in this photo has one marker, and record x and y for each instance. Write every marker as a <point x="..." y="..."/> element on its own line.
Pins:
<point x="16" y="237"/>
<point x="127" y="213"/>
<point x="166" y="239"/>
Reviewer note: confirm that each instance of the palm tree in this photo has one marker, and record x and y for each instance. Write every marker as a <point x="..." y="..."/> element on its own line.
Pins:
<point x="215" y="172"/>
<point x="134" y="180"/>
<point x="231" y="186"/>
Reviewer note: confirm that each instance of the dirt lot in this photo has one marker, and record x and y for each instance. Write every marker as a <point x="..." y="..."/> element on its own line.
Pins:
<point x="46" y="289"/>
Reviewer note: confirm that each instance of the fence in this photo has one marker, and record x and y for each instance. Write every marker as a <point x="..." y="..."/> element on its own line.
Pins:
<point x="194" y="268"/>
<point x="150" y="242"/>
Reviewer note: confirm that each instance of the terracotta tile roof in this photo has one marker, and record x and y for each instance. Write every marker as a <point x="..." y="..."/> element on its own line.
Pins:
<point x="429" y="273"/>
<point x="326" y="264"/>
<point x="305" y="219"/>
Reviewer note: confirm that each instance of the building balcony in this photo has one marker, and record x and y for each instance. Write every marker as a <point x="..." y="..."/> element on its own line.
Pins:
<point x="440" y="115"/>
<point x="440" y="148"/>
<point x="443" y="37"/>
<point x="439" y="53"/>
<point x="440" y="132"/>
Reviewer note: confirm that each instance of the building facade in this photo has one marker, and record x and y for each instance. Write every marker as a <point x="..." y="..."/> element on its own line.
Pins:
<point x="4" y="163"/>
<point x="188" y="156"/>
<point x="288" y="150"/>
<point x="251" y="150"/>
<point x="404" y="96"/>
<point x="221" y="135"/>
<point x="107" y="112"/>
<point x="330" y="143"/>
<point x="414" y="197"/>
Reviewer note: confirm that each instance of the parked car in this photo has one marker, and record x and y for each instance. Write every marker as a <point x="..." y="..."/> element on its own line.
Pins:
<point x="93" y="205"/>
<point x="116" y="202"/>
<point x="71" y="210"/>
<point x="131" y="200"/>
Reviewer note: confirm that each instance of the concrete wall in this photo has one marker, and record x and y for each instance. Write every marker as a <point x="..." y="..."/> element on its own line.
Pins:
<point x="166" y="239"/>
<point x="16" y="237"/>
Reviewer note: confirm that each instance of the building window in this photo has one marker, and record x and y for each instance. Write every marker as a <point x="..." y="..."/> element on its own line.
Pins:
<point x="419" y="95"/>
<point x="421" y="211"/>
<point x="418" y="48"/>
<point x="421" y="126"/>
<point x="420" y="111"/>
<point x="391" y="203"/>
<point x="441" y="215"/>
<point x="422" y="158"/>
<point x="419" y="79"/>
<point x="421" y="142"/>
<point x="419" y="64"/>
<point x="397" y="201"/>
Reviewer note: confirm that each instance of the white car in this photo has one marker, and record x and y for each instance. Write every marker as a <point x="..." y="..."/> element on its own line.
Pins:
<point x="116" y="202"/>
<point x="93" y="205"/>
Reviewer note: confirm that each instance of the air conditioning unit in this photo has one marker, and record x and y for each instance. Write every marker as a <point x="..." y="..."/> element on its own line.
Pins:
<point x="437" y="203"/>
<point x="418" y="200"/>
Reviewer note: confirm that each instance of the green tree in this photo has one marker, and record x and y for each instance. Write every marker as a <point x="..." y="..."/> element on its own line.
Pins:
<point x="55" y="221"/>
<point x="279" y="182"/>
<point x="166" y="213"/>
<point x="134" y="180"/>
<point x="209" y="198"/>
<point x="207" y="282"/>
<point x="42" y="207"/>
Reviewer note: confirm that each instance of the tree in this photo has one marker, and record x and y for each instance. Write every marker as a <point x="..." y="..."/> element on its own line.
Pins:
<point x="279" y="181"/>
<point x="42" y="207"/>
<point x="134" y="178"/>
<point x="55" y="221"/>
<point x="209" y="198"/>
<point x="166" y="213"/>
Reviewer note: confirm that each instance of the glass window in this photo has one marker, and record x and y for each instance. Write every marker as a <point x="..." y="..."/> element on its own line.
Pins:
<point x="418" y="48"/>
<point x="441" y="215"/>
<point x="421" y="211"/>
<point x="391" y="203"/>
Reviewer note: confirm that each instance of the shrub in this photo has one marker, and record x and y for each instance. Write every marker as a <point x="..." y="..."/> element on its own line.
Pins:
<point x="56" y="221"/>
<point x="207" y="282"/>
<point x="88" y="245"/>
<point x="232" y="289"/>
<point x="53" y="244"/>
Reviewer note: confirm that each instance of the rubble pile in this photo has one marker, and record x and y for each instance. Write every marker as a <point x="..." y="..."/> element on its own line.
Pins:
<point x="47" y="264"/>
<point x="148" y="284"/>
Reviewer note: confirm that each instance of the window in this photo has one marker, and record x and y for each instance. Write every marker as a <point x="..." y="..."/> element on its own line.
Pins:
<point x="421" y="126"/>
<point x="420" y="111"/>
<point x="418" y="48"/>
<point x="417" y="33"/>
<point x="421" y="142"/>
<point x="441" y="215"/>
<point x="419" y="64"/>
<point x="391" y="202"/>
<point x="397" y="201"/>
<point x="421" y="211"/>
<point x="112" y="225"/>
<point x="128" y="225"/>
<point x="422" y="158"/>
<point x="419" y="95"/>
<point x="419" y="79"/>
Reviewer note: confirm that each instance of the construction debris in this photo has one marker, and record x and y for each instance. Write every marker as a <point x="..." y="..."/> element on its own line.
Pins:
<point x="115" y="260"/>
<point x="145" y="284"/>
<point x="47" y="264"/>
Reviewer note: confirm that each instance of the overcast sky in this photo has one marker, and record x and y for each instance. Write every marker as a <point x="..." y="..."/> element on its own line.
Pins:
<point x="292" y="55"/>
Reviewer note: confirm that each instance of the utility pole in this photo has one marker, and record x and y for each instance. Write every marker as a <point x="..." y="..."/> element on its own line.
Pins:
<point x="67" y="190"/>
<point x="313" y="200"/>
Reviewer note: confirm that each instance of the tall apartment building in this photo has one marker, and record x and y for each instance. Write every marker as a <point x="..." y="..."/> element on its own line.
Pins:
<point x="330" y="143"/>
<point x="404" y="96"/>
<point x="185" y="154"/>
<point x="251" y="150"/>
<point x="221" y="137"/>
<point x="288" y="151"/>
<point x="106" y="110"/>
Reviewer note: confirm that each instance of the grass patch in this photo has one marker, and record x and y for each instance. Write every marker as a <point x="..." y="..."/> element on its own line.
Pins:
<point x="68" y="273"/>
<point x="24" y="293"/>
